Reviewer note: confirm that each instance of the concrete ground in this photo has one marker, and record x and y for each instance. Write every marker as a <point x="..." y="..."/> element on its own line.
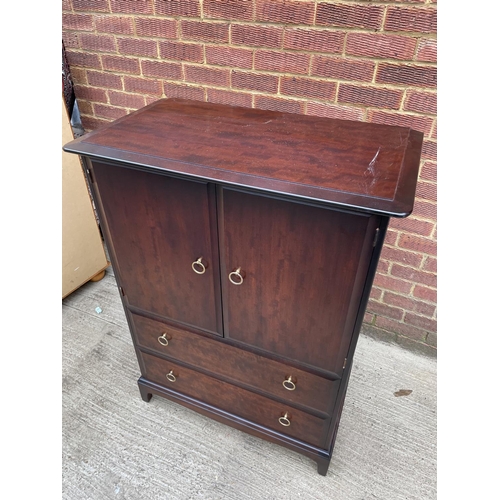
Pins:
<point x="115" y="446"/>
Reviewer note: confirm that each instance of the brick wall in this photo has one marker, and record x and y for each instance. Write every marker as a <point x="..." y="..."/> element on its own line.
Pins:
<point x="365" y="60"/>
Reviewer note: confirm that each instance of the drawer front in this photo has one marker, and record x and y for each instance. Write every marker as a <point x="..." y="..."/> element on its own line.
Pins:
<point x="241" y="366"/>
<point x="232" y="399"/>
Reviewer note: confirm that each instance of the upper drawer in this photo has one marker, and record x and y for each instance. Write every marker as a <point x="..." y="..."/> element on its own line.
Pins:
<point x="236" y="364"/>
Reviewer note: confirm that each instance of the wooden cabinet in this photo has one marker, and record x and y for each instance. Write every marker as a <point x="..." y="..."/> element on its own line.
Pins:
<point x="244" y="244"/>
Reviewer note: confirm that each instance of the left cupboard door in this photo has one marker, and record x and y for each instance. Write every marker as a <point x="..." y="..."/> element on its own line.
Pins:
<point x="162" y="231"/>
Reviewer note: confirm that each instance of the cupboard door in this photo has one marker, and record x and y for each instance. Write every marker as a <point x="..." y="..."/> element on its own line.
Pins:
<point x="289" y="276"/>
<point x="159" y="227"/>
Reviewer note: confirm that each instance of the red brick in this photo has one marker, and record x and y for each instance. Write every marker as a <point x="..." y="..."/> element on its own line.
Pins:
<point x="66" y="5"/>
<point x="82" y="22"/>
<point x="275" y="104"/>
<point x="421" y="102"/>
<point x="306" y="87"/>
<point x="79" y="76"/>
<point x="91" y="123"/>
<point x="427" y="50"/>
<point x="104" y="111"/>
<point x="425" y="209"/>
<point x="85" y="108"/>
<point x="229" y="56"/>
<point x="370" y="96"/>
<point x="343" y="69"/>
<point x="427" y="324"/>
<point x="409" y="304"/>
<point x="412" y="225"/>
<point x="99" y="43"/>
<point x="410" y="274"/>
<point x="121" y="64"/>
<point x="430" y="265"/>
<point x="211" y="76"/>
<point x="227" y="97"/>
<point x="70" y="40"/>
<point x="421" y="123"/>
<point x="411" y="19"/>
<point x="131" y="46"/>
<point x="114" y="24"/>
<point x="91" y="5"/>
<point x="350" y="16"/>
<point x="205" y="31"/>
<point x="256" y="36"/>
<point x="284" y="11"/>
<point x="425" y="293"/>
<point x="400" y="74"/>
<point x="132" y="6"/>
<point x="429" y="150"/>
<point x="150" y="99"/>
<point x="384" y="310"/>
<point x="368" y="318"/>
<point x="183" y="91"/>
<point x="132" y="101"/>
<point x="158" y="28"/>
<point x="394" y="254"/>
<point x="383" y="267"/>
<point x="90" y="94"/>
<point x="391" y="283"/>
<point x="334" y="111"/>
<point x="314" y="40"/>
<point x="106" y="80"/>
<point x="383" y="46"/>
<point x="162" y="69"/>
<point x="223" y="9"/>
<point x="142" y="86"/>
<point x="428" y="171"/>
<point x="181" y="51"/>
<point x="417" y="244"/>
<point x="400" y="328"/>
<point x="254" y="81"/>
<point x="282" y="62"/>
<point x="427" y="191"/>
<point x="184" y="8"/>
<point x="375" y="293"/>
<point x="391" y="237"/>
<point x="84" y="59"/>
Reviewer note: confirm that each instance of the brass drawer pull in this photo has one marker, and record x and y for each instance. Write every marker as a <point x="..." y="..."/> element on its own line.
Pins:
<point x="239" y="277"/>
<point x="198" y="267"/>
<point x="171" y="377"/>
<point x="162" y="339"/>
<point x="288" y="384"/>
<point x="284" y="420"/>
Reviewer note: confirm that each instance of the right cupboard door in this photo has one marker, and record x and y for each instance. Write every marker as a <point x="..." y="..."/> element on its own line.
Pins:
<point x="292" y="276"/>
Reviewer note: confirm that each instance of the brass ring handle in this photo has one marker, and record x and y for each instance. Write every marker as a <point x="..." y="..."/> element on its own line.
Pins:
<point x="171" y="377"/>
<point x="200" y="264"/>
<point x="284" y="420"/>
<point x="162" y="339"/>
<point x="288" y="384"/>
<point x="239" y="277"/>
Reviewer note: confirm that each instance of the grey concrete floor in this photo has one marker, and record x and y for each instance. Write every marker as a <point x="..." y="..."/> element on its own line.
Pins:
<point x="115" y="446"/>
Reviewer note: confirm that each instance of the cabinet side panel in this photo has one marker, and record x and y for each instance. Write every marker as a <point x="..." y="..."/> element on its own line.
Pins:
<point x="300" y="265"/>
<point x="159" y="226"/>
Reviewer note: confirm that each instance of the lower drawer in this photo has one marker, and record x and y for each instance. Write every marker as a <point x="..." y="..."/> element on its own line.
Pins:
<point x="232" y="399"/>
<point x="236" y="364"/>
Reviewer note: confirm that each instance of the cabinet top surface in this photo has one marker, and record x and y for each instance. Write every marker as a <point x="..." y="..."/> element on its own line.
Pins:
<point x="357" y="165"/>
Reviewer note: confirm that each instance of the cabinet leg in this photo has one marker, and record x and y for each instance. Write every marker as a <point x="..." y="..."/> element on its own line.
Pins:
<point x="323" y="466"/>
<point x="146" y="396"/>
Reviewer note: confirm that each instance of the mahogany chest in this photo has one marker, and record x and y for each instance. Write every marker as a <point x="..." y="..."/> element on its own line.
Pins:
<point x="244" y="244"/>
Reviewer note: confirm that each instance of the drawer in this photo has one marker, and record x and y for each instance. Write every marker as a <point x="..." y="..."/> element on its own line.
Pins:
<point x="237" y="401"/>
<point x="237" y="364"/>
